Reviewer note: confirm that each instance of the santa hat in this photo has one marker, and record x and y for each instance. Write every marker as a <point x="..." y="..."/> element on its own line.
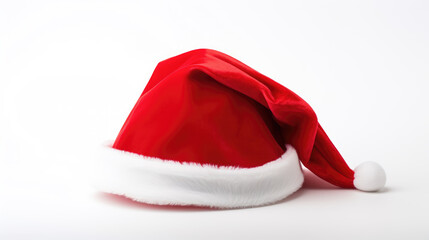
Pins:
<point x="210" y="131"/>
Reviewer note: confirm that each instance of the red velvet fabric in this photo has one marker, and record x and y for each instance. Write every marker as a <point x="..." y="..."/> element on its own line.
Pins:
<point x="206" y="107"/>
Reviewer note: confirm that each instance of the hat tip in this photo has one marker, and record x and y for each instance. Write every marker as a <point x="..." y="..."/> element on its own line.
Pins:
<point x="369" y="177"/>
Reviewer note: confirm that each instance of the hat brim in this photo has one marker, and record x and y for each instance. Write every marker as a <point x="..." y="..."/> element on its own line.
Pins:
<point x="166" y="182"/>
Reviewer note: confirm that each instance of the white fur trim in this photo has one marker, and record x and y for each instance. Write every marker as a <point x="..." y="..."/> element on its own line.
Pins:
<point x="165" y="182"/>
<point x="369" y="176"/>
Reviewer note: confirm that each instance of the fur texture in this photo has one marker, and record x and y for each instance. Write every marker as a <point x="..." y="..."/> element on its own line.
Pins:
<point x="369" y="177"/>
<point x="165" y="182"/>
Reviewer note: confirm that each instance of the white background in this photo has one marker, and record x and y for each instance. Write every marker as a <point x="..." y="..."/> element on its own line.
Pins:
<point x="70" y="72"/>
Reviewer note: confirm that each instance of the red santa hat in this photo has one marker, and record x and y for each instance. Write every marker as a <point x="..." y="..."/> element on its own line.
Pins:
<point x="210" y="131"/>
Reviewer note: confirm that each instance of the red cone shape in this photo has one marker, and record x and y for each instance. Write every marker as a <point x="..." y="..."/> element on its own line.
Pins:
<point x="206" y="107"/>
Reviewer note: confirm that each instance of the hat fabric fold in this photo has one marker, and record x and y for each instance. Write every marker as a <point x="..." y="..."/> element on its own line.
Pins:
<point x="208" y="130"/>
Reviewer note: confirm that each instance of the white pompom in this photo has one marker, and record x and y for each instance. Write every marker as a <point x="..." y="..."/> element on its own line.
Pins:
<point x="369" y="176"/>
